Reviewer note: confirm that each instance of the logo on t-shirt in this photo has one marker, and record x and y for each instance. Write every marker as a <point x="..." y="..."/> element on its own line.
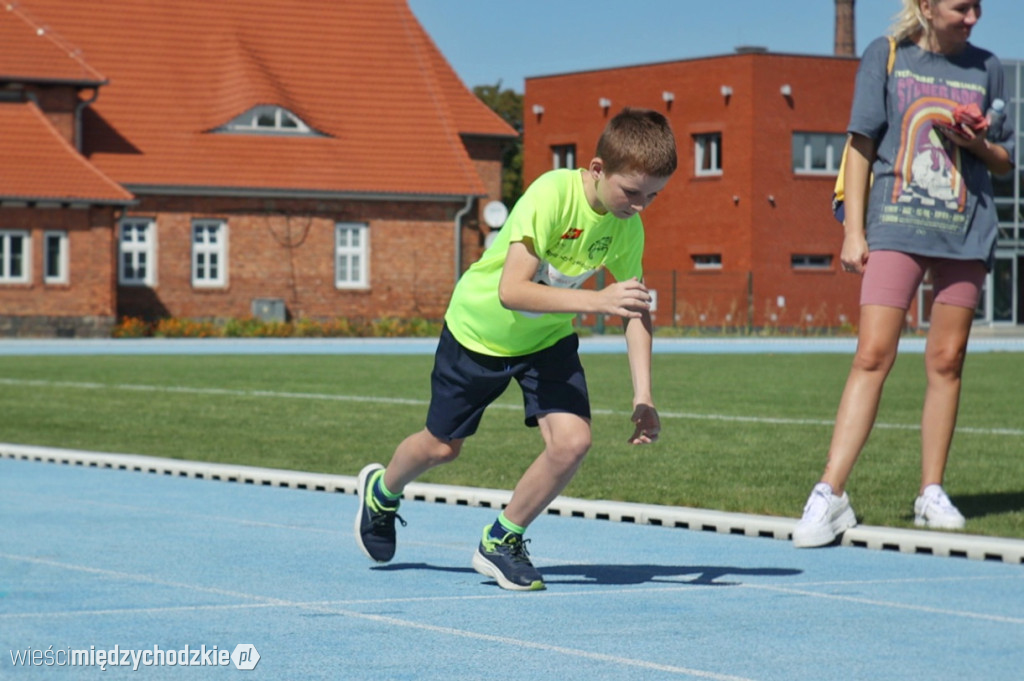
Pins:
<point x="573" y="233"/>
<point x="598" y="247"/>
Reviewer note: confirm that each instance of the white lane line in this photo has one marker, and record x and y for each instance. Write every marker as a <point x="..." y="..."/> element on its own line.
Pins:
<point x="263" y="601"/>
<point x="692" y="416"/>
<point x="886" y="604"/>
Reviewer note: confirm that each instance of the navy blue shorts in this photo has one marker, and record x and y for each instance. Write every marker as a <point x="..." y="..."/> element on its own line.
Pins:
<point x="464" y="383"/>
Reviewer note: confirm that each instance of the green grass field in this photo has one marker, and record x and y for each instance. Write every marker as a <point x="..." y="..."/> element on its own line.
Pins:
<point x="740" y="432"/>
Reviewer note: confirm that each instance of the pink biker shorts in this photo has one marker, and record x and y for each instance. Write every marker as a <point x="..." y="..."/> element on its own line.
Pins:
<point x="891" y="278"/>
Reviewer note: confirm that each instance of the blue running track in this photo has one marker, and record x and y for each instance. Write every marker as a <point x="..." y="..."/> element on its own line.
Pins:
<point x="96" y="559"/>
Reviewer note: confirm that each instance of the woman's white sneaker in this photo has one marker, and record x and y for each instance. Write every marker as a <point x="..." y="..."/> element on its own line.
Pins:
<point x="934" y="509"/>
<point x="826" y="516"/>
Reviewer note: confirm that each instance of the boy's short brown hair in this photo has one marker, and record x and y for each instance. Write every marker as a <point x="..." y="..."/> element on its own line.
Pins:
<point x="638" y="141"/>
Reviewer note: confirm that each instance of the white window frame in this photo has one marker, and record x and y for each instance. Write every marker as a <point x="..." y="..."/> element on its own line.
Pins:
<point x="142" y="252"/>
<point x="349" y="274"/>
<point x="803" y="152"/>
<point x="267" y="119"/>
<point x="209" y="254"/>
<point x="7" y="237"/>
<point x="61" y="275"/>
<point x="707" y="154"/>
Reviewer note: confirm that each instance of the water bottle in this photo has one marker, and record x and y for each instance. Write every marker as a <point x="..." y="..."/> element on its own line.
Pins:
<point x="996" y="116"/>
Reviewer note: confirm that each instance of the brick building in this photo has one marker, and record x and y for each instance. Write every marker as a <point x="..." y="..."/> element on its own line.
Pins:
<point x="212" y="159"/>
<point x="740" y="236"/>
<point x="743" y="235"/>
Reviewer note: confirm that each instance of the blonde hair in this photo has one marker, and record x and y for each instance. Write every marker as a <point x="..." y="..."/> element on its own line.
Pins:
<point x="910" y="23"/>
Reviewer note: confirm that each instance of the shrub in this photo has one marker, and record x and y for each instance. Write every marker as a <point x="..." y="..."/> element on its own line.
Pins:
<point x="131" y="327"/>
<point x="185" y="328"/>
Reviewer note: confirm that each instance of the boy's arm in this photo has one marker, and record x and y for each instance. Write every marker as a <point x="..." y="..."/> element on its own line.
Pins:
<point x="639" y="332"/>
<point x="518" y="291"/>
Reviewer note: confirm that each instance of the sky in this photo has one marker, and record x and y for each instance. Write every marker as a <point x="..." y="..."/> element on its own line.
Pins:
<point x="491" y="41"/>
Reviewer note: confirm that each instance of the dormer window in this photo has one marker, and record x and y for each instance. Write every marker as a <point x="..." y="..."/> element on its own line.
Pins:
<point x="270" y="120"/>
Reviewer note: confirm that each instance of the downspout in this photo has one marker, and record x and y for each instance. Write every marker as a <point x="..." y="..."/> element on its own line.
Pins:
<point x="458" y="235"/>
<point x="79" y="108"/>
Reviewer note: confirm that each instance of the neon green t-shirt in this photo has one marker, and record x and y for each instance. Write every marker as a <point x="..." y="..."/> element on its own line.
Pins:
<point x="572" y="241"/>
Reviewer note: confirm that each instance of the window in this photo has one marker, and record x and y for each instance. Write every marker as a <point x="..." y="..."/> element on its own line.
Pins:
<point x="209" y="253"/>
<point x="815" y="152"/>
<point x="55" y="257"/>
<point x="811" y="262"/>
<point x="268" y="120"/>
<point x="707" y="153"/>
<point x="707" y="261"/>
<point x="563" y="156"/>
<point x="137" y="261"/>
<point x="350" y="255"/>
<point x="14" y="257"/>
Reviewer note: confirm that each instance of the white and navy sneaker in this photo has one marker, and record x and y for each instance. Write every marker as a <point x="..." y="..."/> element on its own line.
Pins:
<point x="508" y="562"/>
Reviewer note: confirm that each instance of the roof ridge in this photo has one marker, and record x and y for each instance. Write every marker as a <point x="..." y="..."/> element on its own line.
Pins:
<point x="425" y="63"/>
<point x="58" y="41"/>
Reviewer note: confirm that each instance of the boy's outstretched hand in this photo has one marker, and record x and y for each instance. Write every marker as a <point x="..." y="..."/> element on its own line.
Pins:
<point x="648" y="425"/>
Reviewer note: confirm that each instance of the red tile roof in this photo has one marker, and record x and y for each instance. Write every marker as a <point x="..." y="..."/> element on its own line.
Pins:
<point x="40" y="165"/>
<point x="31" y="51"/>
<point x="361" y="72"/>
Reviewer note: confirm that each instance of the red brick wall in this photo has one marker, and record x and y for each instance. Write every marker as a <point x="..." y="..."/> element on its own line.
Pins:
<point x="285" y="249"/>
<point x="90" y="287"/>
<point x="58" y="104"/>
<point x="85" y="305"/>
<point x="729" y="214"/>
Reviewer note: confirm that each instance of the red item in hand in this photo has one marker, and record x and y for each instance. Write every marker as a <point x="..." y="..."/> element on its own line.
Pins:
<point x="970" y="116"/>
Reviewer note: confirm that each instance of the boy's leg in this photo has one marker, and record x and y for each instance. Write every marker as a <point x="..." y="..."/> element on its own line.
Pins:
<point x="502" y="552"/>
<point x="417" y="454"/>
<point x="462" y="384"/>
<point x="566" y="442"/>
<point x="556" y="400"/>
<point x="381" y="489"/>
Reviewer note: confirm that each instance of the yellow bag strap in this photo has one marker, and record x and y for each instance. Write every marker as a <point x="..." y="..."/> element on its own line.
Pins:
<point x="840" y="191"/>
<point x="892" y="56"/>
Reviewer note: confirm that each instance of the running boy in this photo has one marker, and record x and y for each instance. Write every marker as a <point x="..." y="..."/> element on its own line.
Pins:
<point x="511" y="315"/>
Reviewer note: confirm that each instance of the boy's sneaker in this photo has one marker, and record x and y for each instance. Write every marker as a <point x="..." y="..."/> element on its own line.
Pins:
<point x="826" y="516"/>
<point x="508" y="562"/>
<point x="934" y="509"/>
<point x="375" y="524"/>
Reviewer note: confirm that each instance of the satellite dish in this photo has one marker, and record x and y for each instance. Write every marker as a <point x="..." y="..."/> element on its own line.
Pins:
<point x="495" y="214"/>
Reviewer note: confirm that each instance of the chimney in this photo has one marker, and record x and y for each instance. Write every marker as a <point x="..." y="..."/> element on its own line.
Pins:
<point x="846" y="41"/>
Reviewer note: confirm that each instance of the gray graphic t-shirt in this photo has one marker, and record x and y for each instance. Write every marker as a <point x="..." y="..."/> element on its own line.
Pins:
<point x="929" y="196"/>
